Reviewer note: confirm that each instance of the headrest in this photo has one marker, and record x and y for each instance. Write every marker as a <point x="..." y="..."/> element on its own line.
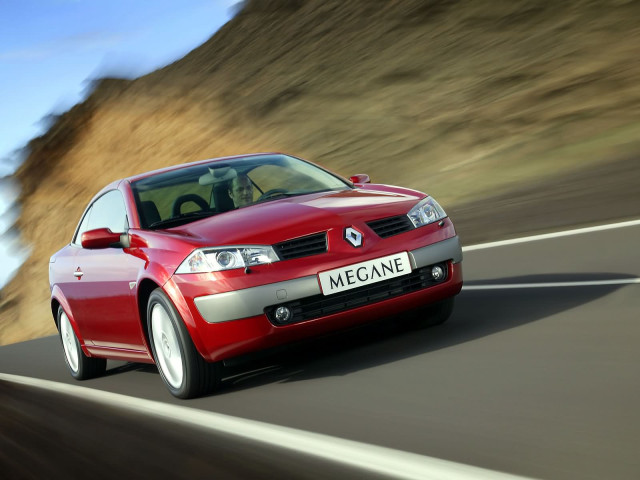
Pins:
<point x="149" y="213"/>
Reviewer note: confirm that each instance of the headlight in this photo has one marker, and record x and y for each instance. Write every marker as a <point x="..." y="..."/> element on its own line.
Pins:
<point x="206" y="260"/>
<point x="425" y="212"/>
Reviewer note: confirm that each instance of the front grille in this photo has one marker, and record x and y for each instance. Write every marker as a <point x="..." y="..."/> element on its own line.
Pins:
<point x="386" y="227"/>
<point x="302" y="247"/>
<point x="320" y="305"/>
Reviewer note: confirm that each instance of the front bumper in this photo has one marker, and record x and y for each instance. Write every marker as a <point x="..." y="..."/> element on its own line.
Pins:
<point x="221" y="341"/>
<point x="250" y="302"/>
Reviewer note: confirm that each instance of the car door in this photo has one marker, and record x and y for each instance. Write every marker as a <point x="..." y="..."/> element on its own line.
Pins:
<point x="103" y="299"/>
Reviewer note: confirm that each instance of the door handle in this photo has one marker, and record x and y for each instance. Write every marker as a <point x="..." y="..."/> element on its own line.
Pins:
<point x="78" y="273"/>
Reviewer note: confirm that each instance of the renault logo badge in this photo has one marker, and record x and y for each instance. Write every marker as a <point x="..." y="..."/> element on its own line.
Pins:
<point x="353" y="236"/>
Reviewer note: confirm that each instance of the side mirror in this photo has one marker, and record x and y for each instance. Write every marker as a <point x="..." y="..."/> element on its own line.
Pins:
<point x="104" y="238"/>
<point x="360" y="178"/>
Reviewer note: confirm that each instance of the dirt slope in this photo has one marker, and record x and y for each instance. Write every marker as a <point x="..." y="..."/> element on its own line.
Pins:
<point x="466" y="100"/>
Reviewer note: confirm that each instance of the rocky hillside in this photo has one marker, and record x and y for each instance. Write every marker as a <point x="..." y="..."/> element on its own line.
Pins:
<point x="474" y="101"/>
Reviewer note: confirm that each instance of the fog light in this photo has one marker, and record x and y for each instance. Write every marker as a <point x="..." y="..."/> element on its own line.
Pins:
<point x="282" y="314"/>
<point x="437" y="273"/>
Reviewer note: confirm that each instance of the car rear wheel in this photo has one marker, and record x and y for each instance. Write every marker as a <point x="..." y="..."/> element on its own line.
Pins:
<point x="80" y="366"/>
<point x="184" y="371"/>
<point x="432" y="315"/>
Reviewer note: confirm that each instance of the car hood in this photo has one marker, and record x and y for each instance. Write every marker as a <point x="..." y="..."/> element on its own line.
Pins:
<point x="278" y="220"/>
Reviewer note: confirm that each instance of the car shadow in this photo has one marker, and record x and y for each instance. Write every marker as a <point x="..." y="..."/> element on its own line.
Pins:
<point x="477" y="314"/>
<point x="115" y="367"/>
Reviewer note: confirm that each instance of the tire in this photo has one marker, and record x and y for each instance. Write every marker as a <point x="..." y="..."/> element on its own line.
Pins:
<point x="432" y="315"/>
<point x="80" y="366"/>
<point x="183" y="370"/>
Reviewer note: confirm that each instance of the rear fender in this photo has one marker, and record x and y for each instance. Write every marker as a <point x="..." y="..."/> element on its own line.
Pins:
<point x="58" y="297"/>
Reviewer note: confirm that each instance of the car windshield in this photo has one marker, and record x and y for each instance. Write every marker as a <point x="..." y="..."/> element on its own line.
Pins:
<point x="180" y="196"/>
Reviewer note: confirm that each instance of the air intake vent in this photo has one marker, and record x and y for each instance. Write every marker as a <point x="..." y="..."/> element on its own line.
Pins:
<point x="387" y="227"/>
<point x="302" y="247"/>
<point x="320" y="305"/>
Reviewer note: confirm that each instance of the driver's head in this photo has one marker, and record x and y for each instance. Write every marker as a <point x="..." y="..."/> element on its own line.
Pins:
<point x="241" y="191"/>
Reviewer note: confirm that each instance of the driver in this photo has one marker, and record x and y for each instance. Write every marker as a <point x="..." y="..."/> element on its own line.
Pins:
<point x="241" y="190"/>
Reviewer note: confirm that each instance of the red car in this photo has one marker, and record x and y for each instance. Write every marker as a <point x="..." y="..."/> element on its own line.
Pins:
<point x="194" y="264"/>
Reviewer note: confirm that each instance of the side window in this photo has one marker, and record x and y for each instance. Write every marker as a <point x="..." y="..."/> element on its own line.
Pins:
<point x="109" y="212"/>
<point x="84" y="226"/>
<point x="106" y="212"/>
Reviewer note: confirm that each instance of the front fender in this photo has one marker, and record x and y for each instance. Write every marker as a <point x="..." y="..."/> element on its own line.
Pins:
<point x="158" y="274"/>
<point x="178" y="300"/>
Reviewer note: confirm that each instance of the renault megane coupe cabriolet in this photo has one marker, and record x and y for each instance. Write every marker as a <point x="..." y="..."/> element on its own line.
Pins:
<point x="198" y="263"/>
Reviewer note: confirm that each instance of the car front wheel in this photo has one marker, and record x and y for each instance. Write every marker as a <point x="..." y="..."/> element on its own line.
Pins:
<point x="80" y="366"/>
<point x="182" y="368"/>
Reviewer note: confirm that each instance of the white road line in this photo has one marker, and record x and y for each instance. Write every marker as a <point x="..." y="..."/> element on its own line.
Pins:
<point x="586" y="283"/>
<point x="380" y="460"/>
<point x="566" y="233"/>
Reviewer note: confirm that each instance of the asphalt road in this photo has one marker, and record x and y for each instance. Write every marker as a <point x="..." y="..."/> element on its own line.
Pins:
<point x="539" y="381"/>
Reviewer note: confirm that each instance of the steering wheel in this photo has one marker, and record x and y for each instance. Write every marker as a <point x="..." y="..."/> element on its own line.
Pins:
<point x="189" y="197"/>
<point x="270" y="193"/>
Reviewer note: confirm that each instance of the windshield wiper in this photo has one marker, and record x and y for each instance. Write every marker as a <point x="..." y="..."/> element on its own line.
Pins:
<point x="274" y="196"/>
<point x="182" y="219"/>
<point x="280" y="194"/>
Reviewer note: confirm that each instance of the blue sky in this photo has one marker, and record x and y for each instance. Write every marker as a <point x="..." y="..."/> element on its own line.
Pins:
<point x="50" y="49"/>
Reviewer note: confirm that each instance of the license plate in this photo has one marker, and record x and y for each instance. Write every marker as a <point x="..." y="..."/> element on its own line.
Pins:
<point x="364" y="273"/>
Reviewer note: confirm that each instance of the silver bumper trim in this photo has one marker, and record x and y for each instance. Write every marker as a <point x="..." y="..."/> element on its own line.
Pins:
<point x="249" y="302"/>
<point x="448" y="249"/>
<point x="223" y="307"/>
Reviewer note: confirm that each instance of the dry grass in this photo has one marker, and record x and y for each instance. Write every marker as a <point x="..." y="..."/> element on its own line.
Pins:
<point x="461" y="99"/>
